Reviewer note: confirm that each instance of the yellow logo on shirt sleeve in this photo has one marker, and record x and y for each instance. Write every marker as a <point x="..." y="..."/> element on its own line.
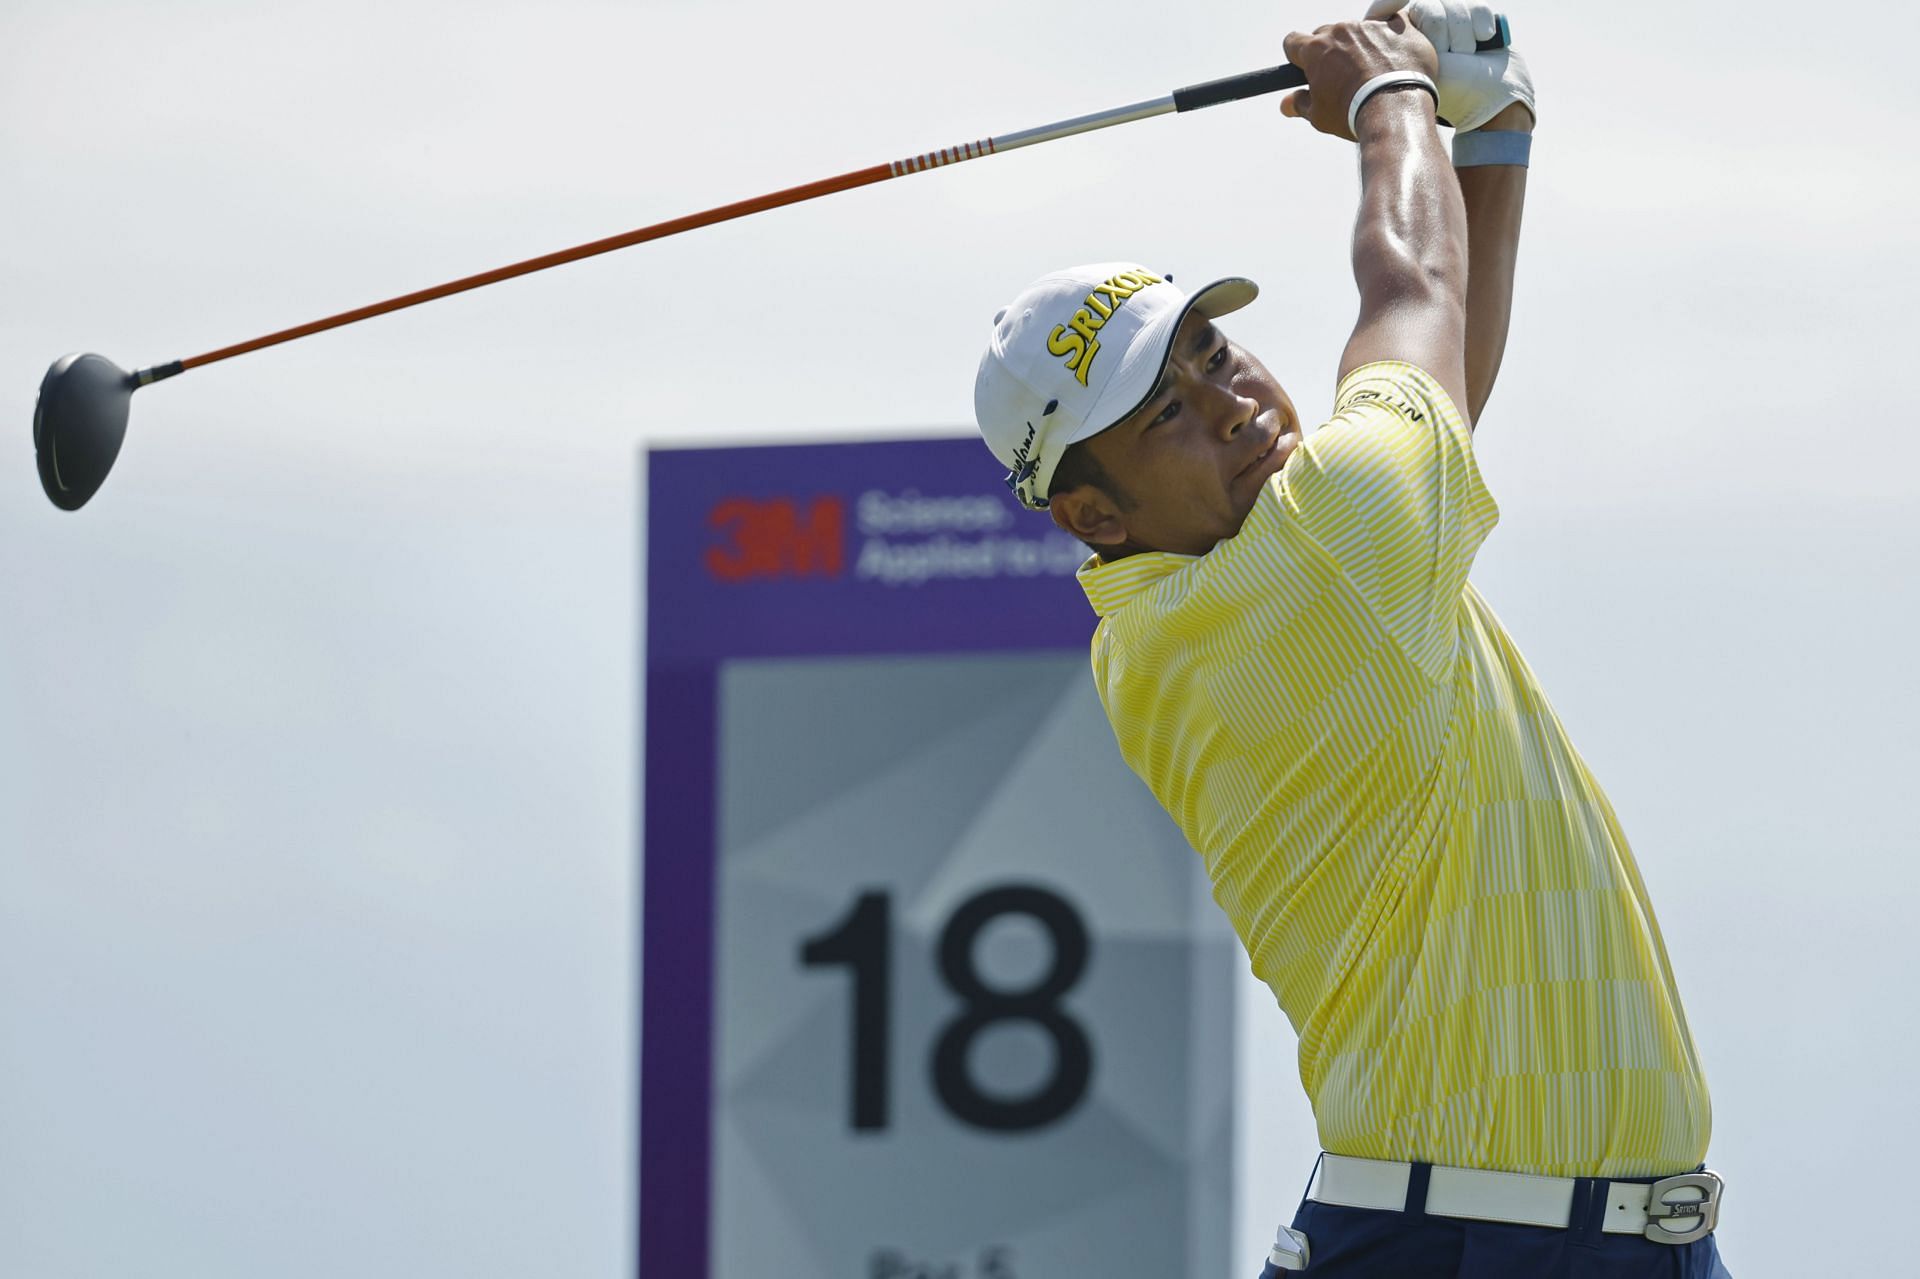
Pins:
<point x="1075" y="341"/>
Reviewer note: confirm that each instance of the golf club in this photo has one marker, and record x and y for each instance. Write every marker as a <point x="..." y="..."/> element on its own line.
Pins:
<point x="80" y="419"/>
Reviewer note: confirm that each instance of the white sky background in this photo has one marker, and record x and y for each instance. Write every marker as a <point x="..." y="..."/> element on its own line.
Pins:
<point x="317" y="728"/>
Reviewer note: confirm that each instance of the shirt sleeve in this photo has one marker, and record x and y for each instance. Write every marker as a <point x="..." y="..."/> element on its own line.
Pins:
<point x="1390" y="489"/>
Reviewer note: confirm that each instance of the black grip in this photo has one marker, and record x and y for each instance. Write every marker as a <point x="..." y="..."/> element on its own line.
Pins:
<point x="1252" y="84"/>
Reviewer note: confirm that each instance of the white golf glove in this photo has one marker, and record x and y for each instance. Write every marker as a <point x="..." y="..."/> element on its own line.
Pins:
<point x="1474" y="86"/>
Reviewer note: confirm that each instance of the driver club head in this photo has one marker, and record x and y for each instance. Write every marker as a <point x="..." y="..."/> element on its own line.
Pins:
<point x="78" y="426"/>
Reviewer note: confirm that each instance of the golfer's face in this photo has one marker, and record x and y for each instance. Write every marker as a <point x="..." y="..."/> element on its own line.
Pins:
<point x="1194" y="457"/>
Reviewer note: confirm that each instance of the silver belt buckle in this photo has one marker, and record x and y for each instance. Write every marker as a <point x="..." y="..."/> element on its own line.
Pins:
<point x="1702" y="1214"/>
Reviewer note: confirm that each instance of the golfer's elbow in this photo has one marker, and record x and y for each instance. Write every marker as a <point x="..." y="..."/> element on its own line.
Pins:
<point x="1410" y="239"/>
<point x="1404" y="277"/>
<point x="1413" y="308"/>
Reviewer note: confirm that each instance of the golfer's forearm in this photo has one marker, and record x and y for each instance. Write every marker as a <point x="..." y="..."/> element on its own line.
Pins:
<point x="1494" y="196"/>
<point x="1409" y="245"/>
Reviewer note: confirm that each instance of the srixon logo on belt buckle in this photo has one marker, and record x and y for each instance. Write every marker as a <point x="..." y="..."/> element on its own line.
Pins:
<point x="1700" y="1214"/>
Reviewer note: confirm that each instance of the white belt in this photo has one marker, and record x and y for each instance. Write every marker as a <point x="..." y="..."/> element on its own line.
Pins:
<point x="1675" y="1210"/>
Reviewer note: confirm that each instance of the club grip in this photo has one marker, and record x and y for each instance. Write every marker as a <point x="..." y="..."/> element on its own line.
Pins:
<point x="1252" y="84"/>
<point x="1232" y="88"/>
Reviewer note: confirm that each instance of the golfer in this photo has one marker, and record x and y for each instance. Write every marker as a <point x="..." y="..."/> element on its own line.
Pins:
<point x="1415" y="856"/>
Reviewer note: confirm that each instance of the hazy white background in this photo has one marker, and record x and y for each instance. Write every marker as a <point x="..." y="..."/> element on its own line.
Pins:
<point x="318" y="728"/>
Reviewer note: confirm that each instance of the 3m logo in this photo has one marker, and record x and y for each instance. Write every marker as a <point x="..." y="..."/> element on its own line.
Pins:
<point x="776" y="538"/>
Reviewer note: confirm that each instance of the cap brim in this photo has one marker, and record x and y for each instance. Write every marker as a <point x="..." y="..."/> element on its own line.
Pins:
<point x="1133" y="386"/>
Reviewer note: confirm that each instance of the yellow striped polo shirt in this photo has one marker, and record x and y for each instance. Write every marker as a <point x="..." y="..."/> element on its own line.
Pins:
<point x="1415" y="856"/>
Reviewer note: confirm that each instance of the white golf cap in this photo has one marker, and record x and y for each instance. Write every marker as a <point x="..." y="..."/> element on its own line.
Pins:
<point x="1076" y="352"/>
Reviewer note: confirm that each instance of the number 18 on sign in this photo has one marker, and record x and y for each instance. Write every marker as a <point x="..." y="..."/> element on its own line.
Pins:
<point x="932" y="989"/>
<point x="864" y="941"/>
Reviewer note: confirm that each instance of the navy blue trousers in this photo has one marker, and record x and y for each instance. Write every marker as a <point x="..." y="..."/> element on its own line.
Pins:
<point x="1365" y="1243"/>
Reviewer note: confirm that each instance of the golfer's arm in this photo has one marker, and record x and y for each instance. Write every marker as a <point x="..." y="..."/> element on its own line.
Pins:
<point x="1494" y="196"/>
<point x="1409" y="245"/>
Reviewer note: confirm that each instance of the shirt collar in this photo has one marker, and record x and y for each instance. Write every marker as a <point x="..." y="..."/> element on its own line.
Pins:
<point x="1110" y="587"/>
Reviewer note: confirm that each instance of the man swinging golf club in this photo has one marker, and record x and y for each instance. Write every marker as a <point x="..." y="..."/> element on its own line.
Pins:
<point x="1414" y="855"/>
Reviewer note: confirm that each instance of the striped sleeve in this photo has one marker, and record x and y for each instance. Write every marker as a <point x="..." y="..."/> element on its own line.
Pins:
<point x="1390" y="489"/>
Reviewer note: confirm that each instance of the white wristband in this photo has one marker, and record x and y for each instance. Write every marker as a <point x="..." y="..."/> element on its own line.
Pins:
<point x="1386" y="81"/>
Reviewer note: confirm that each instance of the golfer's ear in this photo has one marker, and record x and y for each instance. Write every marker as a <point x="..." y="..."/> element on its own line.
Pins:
<point x="1089" y="515"/>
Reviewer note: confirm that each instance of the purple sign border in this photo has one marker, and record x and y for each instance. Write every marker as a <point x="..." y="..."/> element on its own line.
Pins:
<point x="694" y="625"/>
<point x="676" y="972"/>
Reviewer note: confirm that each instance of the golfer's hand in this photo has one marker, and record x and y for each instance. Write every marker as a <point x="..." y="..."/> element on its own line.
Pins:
<point x="1340" y="58"/>
<point x="1474" y="86"/>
